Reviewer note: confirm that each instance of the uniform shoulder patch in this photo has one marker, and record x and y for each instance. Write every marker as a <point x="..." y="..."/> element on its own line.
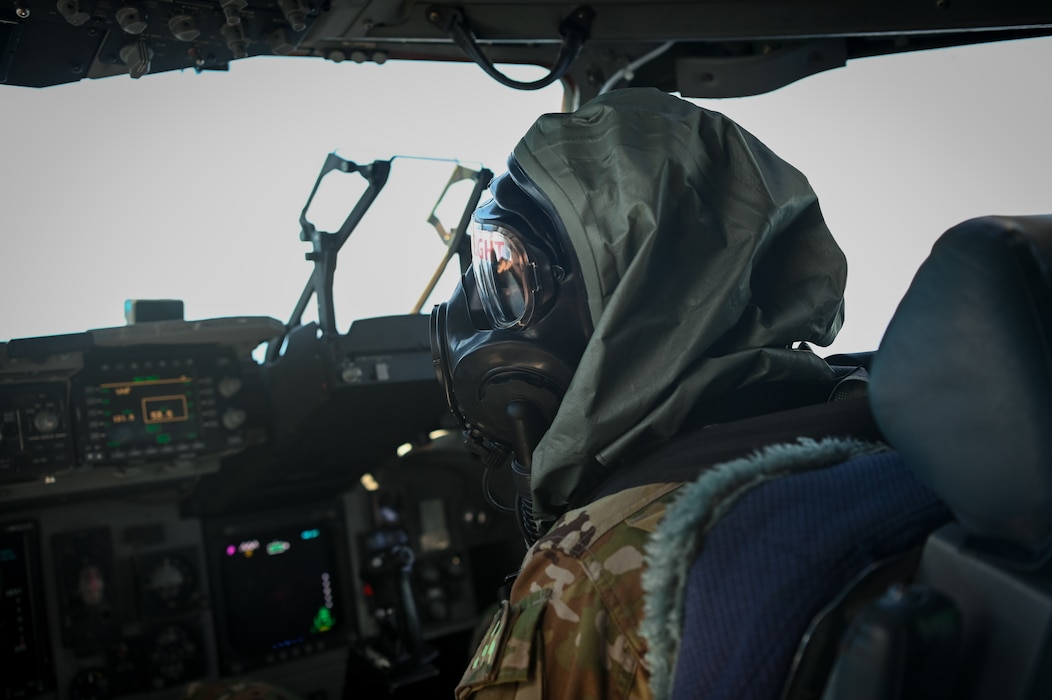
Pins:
<point x="506" y="652"/>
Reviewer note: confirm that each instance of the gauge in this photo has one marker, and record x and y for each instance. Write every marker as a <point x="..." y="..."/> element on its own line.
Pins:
<point x="91" y="586"/>
<point x="168" y="582"/>
<point x="46" y="421"/>
<point x="176" y="656"/>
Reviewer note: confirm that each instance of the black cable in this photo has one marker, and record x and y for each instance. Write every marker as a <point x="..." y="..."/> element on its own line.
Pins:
<point x="527" y="525"/>
<point x="574" y="29"/>
<point x="487" y="475"/>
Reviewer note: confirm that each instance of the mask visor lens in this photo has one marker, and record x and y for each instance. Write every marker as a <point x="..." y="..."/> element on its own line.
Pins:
<point x="504" y="274"/>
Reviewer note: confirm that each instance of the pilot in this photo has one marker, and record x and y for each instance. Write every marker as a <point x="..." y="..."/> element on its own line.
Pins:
<point x="645" y="268"/>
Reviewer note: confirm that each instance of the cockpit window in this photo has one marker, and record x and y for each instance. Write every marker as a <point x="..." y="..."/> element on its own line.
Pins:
<point x="189" y="186"/>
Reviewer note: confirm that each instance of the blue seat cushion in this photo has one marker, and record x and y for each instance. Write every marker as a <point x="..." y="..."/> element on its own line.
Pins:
<point x="784" y="550"/>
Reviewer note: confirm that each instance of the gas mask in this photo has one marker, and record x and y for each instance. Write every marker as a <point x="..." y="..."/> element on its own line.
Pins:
<point x="507" y="343"/>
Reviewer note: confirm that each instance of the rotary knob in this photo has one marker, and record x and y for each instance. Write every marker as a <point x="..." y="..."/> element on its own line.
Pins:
<point x="137" y="57"/>
<point x="183" y="27"/>
<point x="131" y="20"/>
<point x="229" y="386"/>
<point x="72" y="12"/>
<point x="46" y="421"/>
<point x="234" y="418"/>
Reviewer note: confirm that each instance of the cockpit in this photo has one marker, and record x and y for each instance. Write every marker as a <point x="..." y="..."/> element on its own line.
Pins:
<point x="224" y="452"/>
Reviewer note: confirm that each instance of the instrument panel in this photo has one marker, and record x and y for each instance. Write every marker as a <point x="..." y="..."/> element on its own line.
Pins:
<point x="25" y="653"/>
<point x="96" y="409"/>
<point x="36" y="435"/>
<point x="127" y="596"/>
<point x="172" y="509"/>
<point x="174" y="406"/>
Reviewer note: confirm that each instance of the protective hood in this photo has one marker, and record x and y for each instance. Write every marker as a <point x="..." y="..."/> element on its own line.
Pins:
<point x="705" y="258"/>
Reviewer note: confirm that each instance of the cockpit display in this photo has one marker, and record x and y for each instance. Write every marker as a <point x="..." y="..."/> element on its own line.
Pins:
<point x="164" y="407"/>
<point x="279" y="589"/>
<point x="24" y="647"/>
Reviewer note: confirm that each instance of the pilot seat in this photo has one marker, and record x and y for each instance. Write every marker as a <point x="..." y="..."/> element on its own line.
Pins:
<point x="912" y="566"/>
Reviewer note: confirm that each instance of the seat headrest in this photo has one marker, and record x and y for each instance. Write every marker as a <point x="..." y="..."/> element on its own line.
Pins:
<point x="962" y="382"/>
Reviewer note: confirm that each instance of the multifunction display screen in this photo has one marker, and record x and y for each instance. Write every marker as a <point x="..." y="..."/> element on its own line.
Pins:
<point x="25" y="655"/>
<point x="161" y="408"/>
<point x="154" y="404"/>
<point x="280" y="590"/>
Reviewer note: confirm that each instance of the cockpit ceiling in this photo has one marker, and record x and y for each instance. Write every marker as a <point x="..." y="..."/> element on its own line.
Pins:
<point x="720" y="48"/>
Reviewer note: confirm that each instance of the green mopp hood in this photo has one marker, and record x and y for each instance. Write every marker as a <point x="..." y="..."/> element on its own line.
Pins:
<point x="705" y="258"/>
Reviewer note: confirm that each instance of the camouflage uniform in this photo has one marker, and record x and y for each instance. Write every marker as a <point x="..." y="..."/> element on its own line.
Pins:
<point x="705" y="261"/>
<point x="570" y="629"/>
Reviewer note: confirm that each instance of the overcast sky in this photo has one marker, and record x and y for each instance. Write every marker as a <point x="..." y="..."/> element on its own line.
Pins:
<point x="190" y="186"/>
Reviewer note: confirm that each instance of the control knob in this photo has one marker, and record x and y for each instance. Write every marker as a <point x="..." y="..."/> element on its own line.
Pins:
<point x="183" y="27"/>
<point x="46" y="421"/>
<point x="131" y="20"/>
<point x="228" y="386"/>
<point x="234" y="418"/>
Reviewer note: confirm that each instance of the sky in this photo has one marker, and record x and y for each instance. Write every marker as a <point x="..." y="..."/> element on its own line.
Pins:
<point x="190" y="186"/>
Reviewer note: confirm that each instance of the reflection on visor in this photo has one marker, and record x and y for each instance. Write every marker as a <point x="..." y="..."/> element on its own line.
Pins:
<point x="504" y="273"/>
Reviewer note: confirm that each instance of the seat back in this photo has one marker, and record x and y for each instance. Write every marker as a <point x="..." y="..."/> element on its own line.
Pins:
<point x="962" y="382"/>
<point x="961" y="386"/>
